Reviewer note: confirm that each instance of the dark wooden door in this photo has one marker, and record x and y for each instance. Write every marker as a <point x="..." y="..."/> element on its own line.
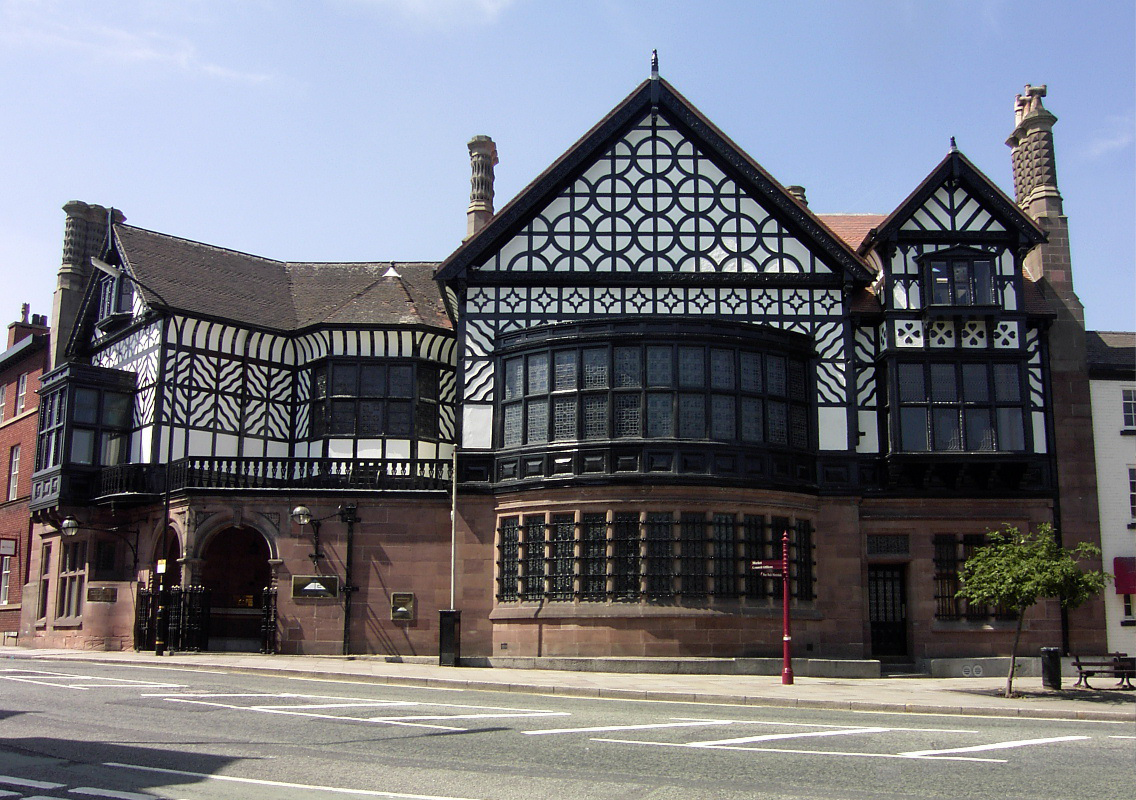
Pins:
<point x="887" y="609"/>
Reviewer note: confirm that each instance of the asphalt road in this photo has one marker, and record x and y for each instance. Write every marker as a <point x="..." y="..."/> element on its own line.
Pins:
<point x="79" y="730"/>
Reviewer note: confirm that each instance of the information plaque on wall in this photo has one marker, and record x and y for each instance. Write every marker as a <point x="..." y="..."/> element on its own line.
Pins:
<point x="316" y="586"/>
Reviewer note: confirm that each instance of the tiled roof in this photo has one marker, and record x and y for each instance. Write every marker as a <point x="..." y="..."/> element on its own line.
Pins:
<point x="1112" y="353"/>
<point x="280" y="295"/>
<point x="853" y="229"/>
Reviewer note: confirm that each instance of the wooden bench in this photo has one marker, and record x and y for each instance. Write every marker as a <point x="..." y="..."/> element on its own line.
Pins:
<point x="1115" y="665"/>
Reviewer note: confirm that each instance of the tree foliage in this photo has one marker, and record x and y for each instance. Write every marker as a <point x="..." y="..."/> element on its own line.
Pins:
<point x="1017" y="568"/>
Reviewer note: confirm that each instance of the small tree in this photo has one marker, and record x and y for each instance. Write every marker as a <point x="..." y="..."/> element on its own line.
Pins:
<point x="1016" y="569"/>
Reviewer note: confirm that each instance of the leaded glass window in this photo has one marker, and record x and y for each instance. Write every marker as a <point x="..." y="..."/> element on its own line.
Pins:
<point x="969" y="406"/>
<point x="627" y="369"/>
<point x="593" y="556"/>
<point x="652" y="391"/>
<point x="595" y="368"/>
<point x="565" y="371"/>
<point x="627" y="415"/>
<point x="374" y="398"/>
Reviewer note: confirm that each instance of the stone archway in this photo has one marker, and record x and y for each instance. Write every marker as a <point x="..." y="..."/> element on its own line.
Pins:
<point x="235" y="570"/>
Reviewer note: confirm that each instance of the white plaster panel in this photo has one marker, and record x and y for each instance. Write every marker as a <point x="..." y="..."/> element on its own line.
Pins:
<point x="832" y="428"/>
<point x="340" y="448"/>
<point x="869" y="432"/>
<point x="1039" y="443"/>
<point x="477" y="426"/>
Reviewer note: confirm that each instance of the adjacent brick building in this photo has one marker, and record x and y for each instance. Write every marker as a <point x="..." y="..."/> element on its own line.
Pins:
<point x="21" y="364"/>
<point x="582" y="428"/>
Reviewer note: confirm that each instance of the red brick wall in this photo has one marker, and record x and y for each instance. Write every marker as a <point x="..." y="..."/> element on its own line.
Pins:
<point x="18" y="428"/>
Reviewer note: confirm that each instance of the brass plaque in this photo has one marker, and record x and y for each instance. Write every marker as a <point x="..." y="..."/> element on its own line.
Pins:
<point x="317" y="586"/>
<point x="102" y="594"/>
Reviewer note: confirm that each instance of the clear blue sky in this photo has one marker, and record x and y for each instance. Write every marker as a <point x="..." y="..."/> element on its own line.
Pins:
<point x="331" y="130"/>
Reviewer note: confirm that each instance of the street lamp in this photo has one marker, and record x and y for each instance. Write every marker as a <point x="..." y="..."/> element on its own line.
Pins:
<point x="348" y="514"/>
<point x="70" y="527"/>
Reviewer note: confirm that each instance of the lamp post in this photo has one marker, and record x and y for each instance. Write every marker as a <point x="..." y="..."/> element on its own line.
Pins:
<point x="348" y="514"/>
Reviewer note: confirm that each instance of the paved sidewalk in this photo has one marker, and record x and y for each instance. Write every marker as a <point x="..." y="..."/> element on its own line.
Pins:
<point x="979" y="696"/>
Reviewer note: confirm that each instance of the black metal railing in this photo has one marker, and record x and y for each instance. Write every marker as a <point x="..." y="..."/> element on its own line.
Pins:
<point x="278" y="473"/>
<point x="186" y="618"/>
<point x="268" y="621"/>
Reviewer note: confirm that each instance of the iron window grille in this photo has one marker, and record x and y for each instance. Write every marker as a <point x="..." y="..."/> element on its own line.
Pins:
<point x="653" y="556"/>
<point x="951" y="552"/>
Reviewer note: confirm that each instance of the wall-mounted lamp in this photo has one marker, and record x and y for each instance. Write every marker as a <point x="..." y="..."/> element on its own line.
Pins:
<point x="348" y="514"/>
<point x="70" y="527"/>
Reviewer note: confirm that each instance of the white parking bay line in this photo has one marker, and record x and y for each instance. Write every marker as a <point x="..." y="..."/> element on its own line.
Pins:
<point x="769" y="737"/>
<point x="282" y="784"/>
<point x="692" y="724"/>
<point x="995" y="746"/>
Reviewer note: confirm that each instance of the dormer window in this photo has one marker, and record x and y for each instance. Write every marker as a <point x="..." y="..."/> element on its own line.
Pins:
<point x="116" y="300"/>
<point x="961" y="278"/>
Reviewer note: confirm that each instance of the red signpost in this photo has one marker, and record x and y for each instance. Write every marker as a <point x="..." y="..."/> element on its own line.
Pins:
<point x="773" y="568"/>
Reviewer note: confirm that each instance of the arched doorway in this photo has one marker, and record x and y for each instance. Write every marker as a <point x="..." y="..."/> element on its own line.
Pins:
<point x="236" y="573"/>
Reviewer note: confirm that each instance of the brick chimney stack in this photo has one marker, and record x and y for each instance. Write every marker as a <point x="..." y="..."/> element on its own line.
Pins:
<point x="482" y="159"/>
<point x="84" y="236"/>
<point x="1076" y="514"/>
<point x="1035" y="184"/>
<point x="23" y="328"/>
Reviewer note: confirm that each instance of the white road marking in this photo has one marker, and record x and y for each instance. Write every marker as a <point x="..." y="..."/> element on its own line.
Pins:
<point x="284" y="784"/>
<point x="800" y="752"/>
<point x="995" y="746"/>
<point x="362" y="704"/>
<point x="310" y="714"/>
<point x="693" y="723"/>
<point x="820" y="725"/>
<point x="11" y="781"/>
<point x="477" y="716"/>
<point x="770" y="737"/>
<point x="64" y="680"/>
<point x="1122" y="737"/>
<point x="6" y="793"/>
<point x="111" y="794"/>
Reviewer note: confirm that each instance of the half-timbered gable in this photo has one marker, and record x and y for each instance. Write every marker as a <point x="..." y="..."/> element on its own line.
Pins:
<point x="654" y="228"/>
<point x="958" y="336"/>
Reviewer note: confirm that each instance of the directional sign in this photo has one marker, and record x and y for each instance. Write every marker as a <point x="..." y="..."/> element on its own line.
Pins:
<point x="768" y="566"/>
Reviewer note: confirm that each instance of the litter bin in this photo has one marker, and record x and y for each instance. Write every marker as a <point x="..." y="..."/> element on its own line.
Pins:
<point x="1051" y="667"/>
<point x="449" y="638"/>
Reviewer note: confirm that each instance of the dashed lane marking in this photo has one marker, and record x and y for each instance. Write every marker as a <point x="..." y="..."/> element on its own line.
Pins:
<point x="111" y="794"/>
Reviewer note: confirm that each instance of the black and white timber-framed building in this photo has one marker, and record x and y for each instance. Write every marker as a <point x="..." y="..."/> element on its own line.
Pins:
<point x="583" y="426"/>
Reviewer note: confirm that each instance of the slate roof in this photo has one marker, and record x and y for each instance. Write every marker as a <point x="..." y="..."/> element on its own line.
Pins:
<point x="1111" y="354"/>
<point x="279" y="295"/>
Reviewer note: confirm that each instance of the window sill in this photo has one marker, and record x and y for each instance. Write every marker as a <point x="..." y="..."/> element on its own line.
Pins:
<point x="10" y="606"/>
<point x="1128" y="431"/>
<point x="69" y="623"/>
